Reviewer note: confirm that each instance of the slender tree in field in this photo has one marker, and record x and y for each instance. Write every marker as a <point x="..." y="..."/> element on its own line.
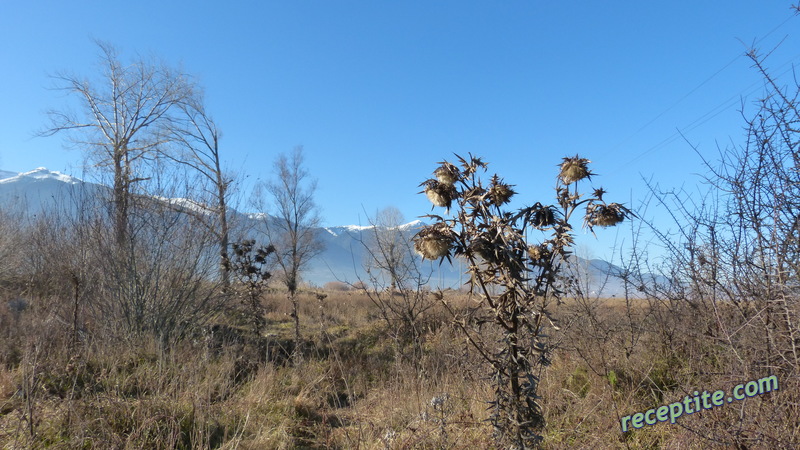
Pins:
<point x="122" y="119"/>
<point x="291" y="226"/>
<point x="198" y="139"/>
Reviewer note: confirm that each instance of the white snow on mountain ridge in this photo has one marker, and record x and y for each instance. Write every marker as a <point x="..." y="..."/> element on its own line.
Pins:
<point x="413" y="224"/>
<point x="40" y="173"/>
<point x="187" y="204"/>
<point x="336" y="231"/>
<point x="346" y="229"/>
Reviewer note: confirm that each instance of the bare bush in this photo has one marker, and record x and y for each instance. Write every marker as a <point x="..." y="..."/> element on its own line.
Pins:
<point x="164" y="282"/>
<point x="396" y="283"/>
<point x="729" y="282"/>
<point x="10" y="246"/>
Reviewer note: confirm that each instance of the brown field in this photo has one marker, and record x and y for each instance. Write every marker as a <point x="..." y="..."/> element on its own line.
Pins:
<point x="357" y="387"/>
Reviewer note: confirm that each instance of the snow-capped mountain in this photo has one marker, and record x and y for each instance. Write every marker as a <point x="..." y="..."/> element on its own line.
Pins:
<point x="40" y="173"/>
<point x="336" y="231"/>
<point x="345" y="247"/>
<point x="42" y="190"/>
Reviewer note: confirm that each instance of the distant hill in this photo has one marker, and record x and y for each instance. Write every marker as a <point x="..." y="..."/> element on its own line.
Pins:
<point x="42" y="190"/>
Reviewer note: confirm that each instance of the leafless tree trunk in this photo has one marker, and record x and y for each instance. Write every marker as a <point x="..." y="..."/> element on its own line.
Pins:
<point x="292" y="228"/>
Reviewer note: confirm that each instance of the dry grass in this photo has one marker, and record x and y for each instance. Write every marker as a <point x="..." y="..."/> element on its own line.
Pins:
<point x="351" y="390"/>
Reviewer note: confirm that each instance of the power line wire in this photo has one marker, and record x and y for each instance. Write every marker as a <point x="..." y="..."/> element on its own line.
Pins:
<point x="719" y="109"/>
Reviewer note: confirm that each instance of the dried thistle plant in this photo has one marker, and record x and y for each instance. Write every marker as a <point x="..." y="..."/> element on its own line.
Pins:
<point x="515" y="280"/>
<point x="574" y="169"/>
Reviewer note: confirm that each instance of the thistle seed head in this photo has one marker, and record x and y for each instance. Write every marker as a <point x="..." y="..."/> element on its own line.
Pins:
<point x="605" y="215"/>
<point x="574" y="169"/>
<point x="440" y="194"/>
<point x="539" y="253"/>
<point x="433" y="242"/>
<point x="501" y="194"/>
<point x="432" y="248"/>
<point x="447" y="173"/>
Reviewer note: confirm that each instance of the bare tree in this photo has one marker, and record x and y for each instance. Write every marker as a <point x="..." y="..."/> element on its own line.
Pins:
<point x="291" y="230"/>
<point x="198" y="137"/>
<point x="390" y="251"/>
<point x="122" y="120"/>
<point x="395" y="281"/>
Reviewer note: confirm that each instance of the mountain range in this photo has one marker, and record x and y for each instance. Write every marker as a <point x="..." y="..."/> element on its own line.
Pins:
<point x="343" y="258"/>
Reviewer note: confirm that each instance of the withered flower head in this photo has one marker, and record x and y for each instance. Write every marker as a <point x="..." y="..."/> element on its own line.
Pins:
<point x="605" y="215"/>
<point x="433" y="242"/>
<point x="542" y="216"/>
<point x="539" y="254"/>
<point x="598" y="193"/>
<point x="472" y="166"/>
<point x="574" y="169"/>
<point x="440" y="194"/>
<point x="447" y="173"/>
<point x="500" y="193"/>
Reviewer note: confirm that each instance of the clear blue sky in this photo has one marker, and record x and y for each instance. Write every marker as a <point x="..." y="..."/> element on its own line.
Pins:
<point x="378" y="91"/>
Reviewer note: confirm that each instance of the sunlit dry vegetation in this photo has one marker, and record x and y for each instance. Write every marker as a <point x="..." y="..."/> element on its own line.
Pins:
<point x="224" y="388"/>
